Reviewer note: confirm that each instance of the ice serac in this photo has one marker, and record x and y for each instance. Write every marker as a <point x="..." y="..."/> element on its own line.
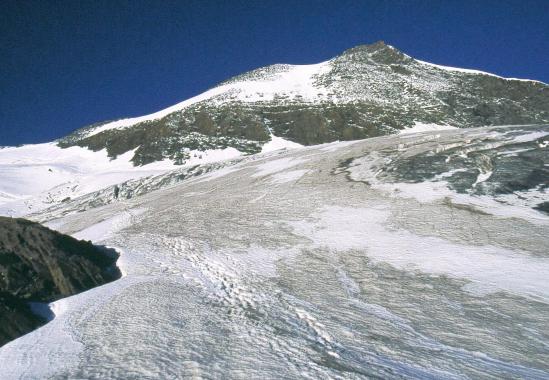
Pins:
<point x="367" y="91"/>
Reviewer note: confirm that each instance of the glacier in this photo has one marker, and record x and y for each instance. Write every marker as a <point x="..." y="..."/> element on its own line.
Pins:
<point x="376" y="258"/>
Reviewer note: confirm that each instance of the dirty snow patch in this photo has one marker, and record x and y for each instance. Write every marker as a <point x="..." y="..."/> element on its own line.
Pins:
<point x="425" y="127"/>
<point x="271" y="167"/>
<point x="277" y="143"/>
<point x="106" y="228"/>
<point x="488" y="268"/>
<point x="290" y="176"/>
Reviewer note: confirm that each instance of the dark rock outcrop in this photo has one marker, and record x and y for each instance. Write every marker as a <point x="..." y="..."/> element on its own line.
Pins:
<point x="16" y="318"/>
<point x="41" y="265"/>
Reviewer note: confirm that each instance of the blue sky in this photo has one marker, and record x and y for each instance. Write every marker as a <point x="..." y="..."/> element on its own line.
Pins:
<point x="66" y="64"/>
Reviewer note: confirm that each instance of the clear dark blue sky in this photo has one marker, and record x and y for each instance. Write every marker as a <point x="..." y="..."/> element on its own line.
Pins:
<point x="66" y="64"/>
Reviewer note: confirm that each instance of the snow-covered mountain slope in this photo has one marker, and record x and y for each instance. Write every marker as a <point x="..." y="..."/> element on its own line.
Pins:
<point x="34" y="177"/>
<point x="331" y="261"/>
<point x="302" y="83"/>
<point x="261" y="85"/>
<point x="369" y="90"/>
<point x="498" y="169"/>
<point x="366" y="91"/>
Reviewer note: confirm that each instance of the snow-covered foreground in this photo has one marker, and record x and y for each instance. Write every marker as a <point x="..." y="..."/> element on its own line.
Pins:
<point x="310" y="264"/>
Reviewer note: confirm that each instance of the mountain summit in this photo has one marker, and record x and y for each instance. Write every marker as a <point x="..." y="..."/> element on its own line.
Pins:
<point x="367" y="91"/>
<point x="411" y="256"/>
<point x="378" y="52"/>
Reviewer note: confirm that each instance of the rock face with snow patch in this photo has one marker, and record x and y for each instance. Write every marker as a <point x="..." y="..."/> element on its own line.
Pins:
<point x="41" y="265"/>
<point x="509" y="165"/>
<point x="367" y="91"/>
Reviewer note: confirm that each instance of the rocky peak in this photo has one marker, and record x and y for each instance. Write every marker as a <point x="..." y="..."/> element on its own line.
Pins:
<point x="378" y="52"/>
<point x="367" y="91"/>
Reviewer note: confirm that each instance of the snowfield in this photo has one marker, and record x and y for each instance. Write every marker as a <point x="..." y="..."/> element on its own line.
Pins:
<point x="379" y="258"/>
<point x="35" y="177"/>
